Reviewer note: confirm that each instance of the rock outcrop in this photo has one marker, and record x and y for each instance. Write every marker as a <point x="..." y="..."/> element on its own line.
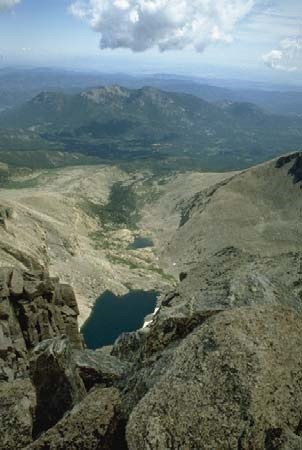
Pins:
<point x="17" y="412"/>
<point x="33" y="307"/>
<point x="95" y="424"/>
<point x="100" y="367"/>
<point x="58" y="384"/>
<point x="45" y="372"/>
<point x="229" y="280"/>
<point x="296" y="169"/>
<point x="233" y="383"/>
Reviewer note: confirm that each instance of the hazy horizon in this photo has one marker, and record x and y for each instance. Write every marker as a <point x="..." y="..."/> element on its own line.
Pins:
<point x="257" y="40"/>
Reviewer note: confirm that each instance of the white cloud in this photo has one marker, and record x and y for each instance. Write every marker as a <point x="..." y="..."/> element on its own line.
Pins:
<point x="26" y="49"/>
<point x="166" y="24"/>
<point x="8" y="4"/>
<point x="288" y="56"/>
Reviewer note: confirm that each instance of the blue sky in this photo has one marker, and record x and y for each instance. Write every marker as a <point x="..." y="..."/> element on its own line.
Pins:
<point x="256" y="38"/>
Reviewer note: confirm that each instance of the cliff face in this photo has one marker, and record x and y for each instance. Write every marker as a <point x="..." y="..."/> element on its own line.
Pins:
<point x="257" y="210"/>
<point x="218" y="368"/>
<point x="45" y="371"/>
<point x="33" y="309"/>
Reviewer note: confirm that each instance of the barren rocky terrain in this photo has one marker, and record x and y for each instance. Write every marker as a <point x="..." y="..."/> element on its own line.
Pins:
<point x="217" y="367"/>
<point x="257" y="210"/>
<point x="51" y="218"/>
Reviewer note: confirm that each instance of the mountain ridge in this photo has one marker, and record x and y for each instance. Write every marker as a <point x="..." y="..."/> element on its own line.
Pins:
<point x="169" y="129"/>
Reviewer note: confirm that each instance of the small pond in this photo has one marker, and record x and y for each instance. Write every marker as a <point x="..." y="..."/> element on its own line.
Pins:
<point x="141" y="242"/>
<point x="113" y="315"/>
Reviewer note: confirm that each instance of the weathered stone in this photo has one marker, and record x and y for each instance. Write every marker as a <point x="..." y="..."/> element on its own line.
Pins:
<point x="17" y="404"/>
<point x="5" y="213"/>
<point x="230" y="383"/>
<point x="99" y="367"/>
<point x="29" y="314"/>
<point x="68" y="297"/>
<point x="13" y="351"/>
<point x="287" y="441"/>
<point x="95" y="424"/>
<point x="182" y="276"/>
<point x="229" y="279"/>
<point x="36" y="284"/>
<point x="57" y="382"/>
<point x="16" y="283"/>
<point x="5" y="276"/>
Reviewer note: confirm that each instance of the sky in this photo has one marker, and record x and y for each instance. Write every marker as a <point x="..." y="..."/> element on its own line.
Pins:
<point x="246" y="38"/>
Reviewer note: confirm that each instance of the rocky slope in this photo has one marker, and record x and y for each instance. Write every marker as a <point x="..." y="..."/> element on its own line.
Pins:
<point x="51" y="218"/>
<point x="257" y="210"/>
<point x="50" y="224"/>
<point x="218" y="367"/>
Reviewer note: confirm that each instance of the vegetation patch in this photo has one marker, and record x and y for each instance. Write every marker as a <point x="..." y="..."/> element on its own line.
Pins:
<point x="121" y="210"/>
<point x="122" y="207"/>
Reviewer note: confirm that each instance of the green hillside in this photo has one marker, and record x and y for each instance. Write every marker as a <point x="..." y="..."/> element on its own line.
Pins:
<point x="180" y="130"/>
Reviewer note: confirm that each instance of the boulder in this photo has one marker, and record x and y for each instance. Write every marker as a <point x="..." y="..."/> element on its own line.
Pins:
<point x="57" y="382"/>
<point x="94" y="424"/>
<point x="16" y="283"/>
<point x="233" y="383"/>
<point x="17" y="405"/>
<point x="99" y="367"/>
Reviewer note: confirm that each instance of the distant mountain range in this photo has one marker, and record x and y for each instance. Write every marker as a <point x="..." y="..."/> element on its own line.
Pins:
<point x="20" y="85"/>
<point x="116" y="123"/>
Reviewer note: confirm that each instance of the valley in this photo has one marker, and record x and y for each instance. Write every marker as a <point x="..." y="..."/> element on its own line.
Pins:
<point x="100" y="228"/>
<point x="80" y="222"/>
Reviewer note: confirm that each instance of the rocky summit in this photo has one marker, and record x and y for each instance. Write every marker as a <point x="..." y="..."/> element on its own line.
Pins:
<point x="217" y="367"/>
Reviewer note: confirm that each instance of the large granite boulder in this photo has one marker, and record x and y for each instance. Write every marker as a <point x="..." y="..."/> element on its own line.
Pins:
<point x="234" y="383"/>
<point x="17" y="406"/>
<point x="95" y="424"/>
<point x="57" y="382"/>
<point x="99" y="367"/>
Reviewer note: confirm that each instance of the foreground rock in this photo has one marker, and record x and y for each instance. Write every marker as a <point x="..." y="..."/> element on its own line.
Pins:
<point x="100" y="367"/>
<point x="17" y="408"/>
<point x="58" y="384"/>
<point x="234" y="383"/>
<point x="33" y="307"/>
<point x="95" y="424"/>
<point x="229" y="280"/>
<point x="218" y="368"/>
<point x="44" y="370"/>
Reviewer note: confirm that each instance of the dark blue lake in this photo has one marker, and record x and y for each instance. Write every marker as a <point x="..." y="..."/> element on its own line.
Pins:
<point x="141" y="242"/>
<point x="113" y="315"/>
